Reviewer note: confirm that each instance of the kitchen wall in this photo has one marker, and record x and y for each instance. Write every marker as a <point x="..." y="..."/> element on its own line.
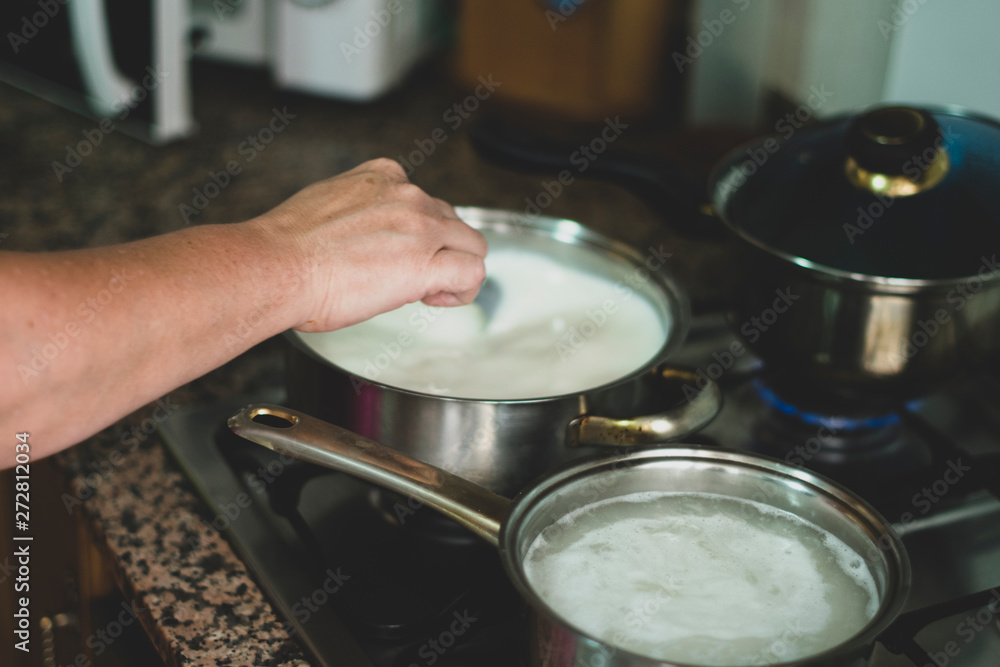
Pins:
<point x="862" y="51"/>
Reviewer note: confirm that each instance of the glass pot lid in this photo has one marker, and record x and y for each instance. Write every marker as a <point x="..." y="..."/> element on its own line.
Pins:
<point x="896" y="193"/>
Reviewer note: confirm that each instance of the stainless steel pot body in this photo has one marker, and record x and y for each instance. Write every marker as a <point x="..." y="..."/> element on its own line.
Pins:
<point x="499" y="444"/>
<point x="860" y="336"/>
<point x="513" y="525"/>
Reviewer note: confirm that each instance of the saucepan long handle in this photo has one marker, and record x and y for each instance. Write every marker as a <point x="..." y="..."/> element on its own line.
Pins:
<point x="315" y="441"/>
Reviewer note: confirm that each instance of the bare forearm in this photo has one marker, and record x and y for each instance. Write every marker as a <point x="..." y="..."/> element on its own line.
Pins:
<point x="88" y="336"/>
<point x="91" y="335"/>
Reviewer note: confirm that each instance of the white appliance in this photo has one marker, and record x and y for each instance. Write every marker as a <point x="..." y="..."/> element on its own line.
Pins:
<point x="346" y="49"/>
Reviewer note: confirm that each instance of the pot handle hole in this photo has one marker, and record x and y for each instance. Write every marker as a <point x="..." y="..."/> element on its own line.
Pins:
<point x="700" y="407"/>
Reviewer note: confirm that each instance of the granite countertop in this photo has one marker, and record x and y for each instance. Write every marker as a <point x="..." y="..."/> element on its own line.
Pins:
<point x="199" y="604"/>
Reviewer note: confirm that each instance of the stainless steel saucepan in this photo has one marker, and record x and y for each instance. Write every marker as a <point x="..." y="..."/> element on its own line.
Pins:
<point x="503" y="444"/>
<point x="513" y="525"/>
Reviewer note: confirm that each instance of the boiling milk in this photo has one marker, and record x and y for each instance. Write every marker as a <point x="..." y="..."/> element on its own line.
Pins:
<point x="702" y="579"/>
<point x="557" y="330"/>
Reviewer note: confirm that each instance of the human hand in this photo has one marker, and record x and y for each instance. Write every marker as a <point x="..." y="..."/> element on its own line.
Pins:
<point x="367" y="242"/>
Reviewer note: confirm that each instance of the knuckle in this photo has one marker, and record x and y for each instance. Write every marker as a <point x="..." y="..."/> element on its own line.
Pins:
<point x="387" y="166"/>
<point x="478" y="271"/>
<point x="410" y="193"/>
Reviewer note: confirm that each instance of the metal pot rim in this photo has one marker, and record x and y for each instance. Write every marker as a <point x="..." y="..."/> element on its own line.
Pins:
<point x="898" y="564"/>
<point x="565" y="231"/>
<point x="864" y="281"/>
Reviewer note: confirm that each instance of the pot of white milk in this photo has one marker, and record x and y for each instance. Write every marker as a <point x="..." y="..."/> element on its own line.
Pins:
<point x="570" y="357"/>
<point x="671" y="556"/>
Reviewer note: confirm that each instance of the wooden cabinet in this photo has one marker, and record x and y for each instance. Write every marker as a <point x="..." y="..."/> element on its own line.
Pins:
<point x="574" y="59"/>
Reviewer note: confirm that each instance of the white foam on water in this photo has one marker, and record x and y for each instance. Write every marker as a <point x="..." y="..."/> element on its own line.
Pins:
<point x="557" y="330"/>
<point x="702" y="578"/>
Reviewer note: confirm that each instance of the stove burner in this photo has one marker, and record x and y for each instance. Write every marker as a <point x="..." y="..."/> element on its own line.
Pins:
<point x="843" y="422"/>
<point x="863" y="445"/>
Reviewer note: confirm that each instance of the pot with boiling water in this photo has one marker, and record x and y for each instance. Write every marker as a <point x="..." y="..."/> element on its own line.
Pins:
<point x="673" y="556"/>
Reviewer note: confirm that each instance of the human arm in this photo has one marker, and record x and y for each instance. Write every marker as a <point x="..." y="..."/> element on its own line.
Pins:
<point x="87" y="336"/>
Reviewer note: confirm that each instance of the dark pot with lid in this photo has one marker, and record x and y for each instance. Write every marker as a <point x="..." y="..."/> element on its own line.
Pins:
<point x="880" y="234"/>
<point x="868" y="243"/>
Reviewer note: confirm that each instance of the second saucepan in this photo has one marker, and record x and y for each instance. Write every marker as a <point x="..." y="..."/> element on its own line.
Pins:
<point x="677" y="557"/>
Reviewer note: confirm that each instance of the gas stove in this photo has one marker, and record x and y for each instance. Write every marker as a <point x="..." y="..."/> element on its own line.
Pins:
<point x="370" y="579"/>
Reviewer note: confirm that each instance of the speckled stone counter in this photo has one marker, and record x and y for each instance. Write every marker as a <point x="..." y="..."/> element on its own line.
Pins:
<point x="195" y="598"/>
